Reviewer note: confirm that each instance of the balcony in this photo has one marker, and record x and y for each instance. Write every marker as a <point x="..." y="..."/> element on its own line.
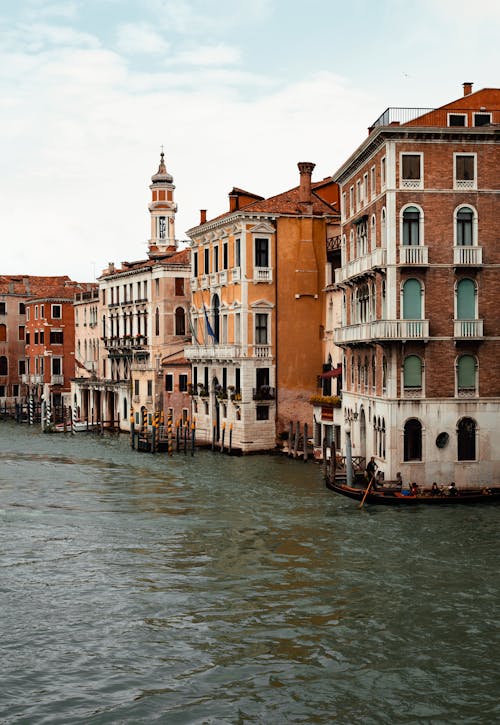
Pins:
<point x="36" y="379"/>
<point x="213" y="352"/>
<point x="467" y="256"/>
<point x="264" y="393"/>
<point x="214" y="279"/>
<point x="414" y="255"/>
<point x="57" y="380"/>
<point x="361" y="265"/>
<point x="468" y="329"/>
<point x="194" y="284"/>
<point x="262" y="351"/>
<point x="25" y="378"/>
<point x="235" y="274"/>
<point x="382" y="331"/>
<point x="204" y="282"/>
<point x="262" y="274"/>
<point x="223" y="276"/>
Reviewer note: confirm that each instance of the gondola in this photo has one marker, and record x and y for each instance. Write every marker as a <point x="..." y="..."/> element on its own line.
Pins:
<point x="388" y="495"/>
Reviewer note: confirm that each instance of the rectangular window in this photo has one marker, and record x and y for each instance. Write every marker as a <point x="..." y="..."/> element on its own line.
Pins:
<point x="56" y="337"/>
<point x="169" y="383"/>
<point x="36" y="337"/>
<point x="216" y="259"/>
<point x="351" y="201"/>
<point x="183" y="382"/>
<point x="150" y="388"/>
<point x="383" y="173"/>
<point x="344" y="202"/>
<point x="157" y="288"/>
<point x="195" y="264"/>
<point x="22" y="308"/>
<point x="56" y="312"/>
<point x="465" y="171"/>
<point x="224" y="256"/>
<point x="36" y="312"/>
<point x="15" y="390"/>
<point x="22" y="367"/>
<point x="22" y="334"/>
<point x="358" y="194"/>
<point x="27" y="338"/>
<point x="262" y="412"/>
<point x="179" y="286"/>
<point x="56" y="366"/>
<point x="206" y="266"/>
<point x="262" y="252"/>
<point x="2" y="308"/>
<point x="2" y="391"/>
<point x="411" y="171"/>
<point x="237" y="252"/>
<point x="457" y="119"/>
<point x="42" y="311"/>
<point x="237" y="328"/>
<point x="482" y="119"/>
<point x="42" y="337"/>
<point x="145" y="288"/>
<point x="237" y="379"/>
<point x="136" y="387"/>
<point x="373" y="182"/>
<point x="28" y="310"/>
<point x="261" y="329"/>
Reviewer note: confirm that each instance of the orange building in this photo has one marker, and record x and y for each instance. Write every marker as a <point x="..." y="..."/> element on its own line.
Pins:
<point x="257" y="312"/>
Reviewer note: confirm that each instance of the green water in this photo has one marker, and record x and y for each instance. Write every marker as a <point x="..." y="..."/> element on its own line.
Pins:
<point x="141" y="589"/>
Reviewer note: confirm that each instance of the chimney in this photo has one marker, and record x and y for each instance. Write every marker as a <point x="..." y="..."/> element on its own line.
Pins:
<point x="234" y="200"/>
<point x="305" y="169"/>
<point x="203" y="216"/>
<point x="467" y="88"/>
<point x="111" y="267"/>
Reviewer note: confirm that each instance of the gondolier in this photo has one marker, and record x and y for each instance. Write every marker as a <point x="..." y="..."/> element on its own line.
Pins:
<point x="371" y="468"/>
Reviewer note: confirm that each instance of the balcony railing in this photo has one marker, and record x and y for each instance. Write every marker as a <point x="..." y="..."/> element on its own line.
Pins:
<point x="204" y="282"/>
<point x="209" y="352"/>
<point x="414" y="255"/>
<point x="194" y="284"/>
<point x="264" y="393"/>
<point x="223" y="276"/>
<point x="469" y="256"/>
<point x="36" y="379"/>
<point x="214" y="279"/>
<point x="25" y="378"/>
<point x="468" y="329"/>
<point x="382" y="330"/>
<point x="235" y="274"/>
<point x="261" y="351"/>
<point x="262" y="274"/>
<point x="57" y="380"/>
<point x="361" y="265"/>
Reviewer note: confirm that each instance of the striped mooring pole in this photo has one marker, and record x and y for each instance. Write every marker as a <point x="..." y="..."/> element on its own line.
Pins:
<point x="31" y="411"/>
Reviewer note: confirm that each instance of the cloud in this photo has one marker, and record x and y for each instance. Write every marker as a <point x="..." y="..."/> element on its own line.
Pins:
<point x="209" y="55"/>
<point x="140" y="38"/>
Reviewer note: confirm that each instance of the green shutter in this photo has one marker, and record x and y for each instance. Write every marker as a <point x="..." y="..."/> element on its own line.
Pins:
<point x="412" y="372"/>
<point x="412" y="300"/>
<point x="466" y="372"/>
<point x="466" y="308"/>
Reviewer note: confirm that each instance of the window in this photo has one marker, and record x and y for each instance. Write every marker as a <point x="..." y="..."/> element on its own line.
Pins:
<point x="169" y="383"/>
<point x="180" y="321"/>
<point x="56" y="312"/>
<point x="42" y="337"/>
<point x="413" y="440"/>
<point x="136" y="387"/>
<point x="466" y="439"/>
<point x="383" y="175"/>
<point x="56" y="337"/>
<point x="150" y="388"/>
<point x="373" y="182"/>
<point x="411" y="171"/>
<point x="482" y="119"/>
<point x="464" y="176"/>
<point x="411" y="226"/>
<point x="351" y="200"/>
<point x="224" y="256"/>
<point x="206" y="261"/>
<point x="36" y="337"/>
<point x="261" y="329"/>
<point x="4" y="366"/>
<point x="15" y="390"/>
<point x="22" y="367"/>
<point x="237" y="252"/>
<point x="42" y="311"/>
<point x="183" y="382"/>
<point x="216" y="259"/>
<point x="195" y="264"/>
<point x="3" y="333"/>
<point x="466" y="300"/>
<point x="36" y="312"/>
<point x="22" y="308"/>
<point x="262" y="252"/>
<point x="157" y="321"/>
<point x="27" y="338"/>
<point x="465" y="218"/>
<point x="412" y="372"/>
<point x="262" y="412"/>
<point x="28" y="311"/>
<point x="216" y="318"/>
<point x="457" y="119"/>
<point x="412" y="300"/>
<point x="56" y="366"/>
<point x="358" y="194"/>
<point x="466" y="374"/>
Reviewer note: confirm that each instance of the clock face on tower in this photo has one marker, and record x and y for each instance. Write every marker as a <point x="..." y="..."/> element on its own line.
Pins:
<point x="161" y="227"/>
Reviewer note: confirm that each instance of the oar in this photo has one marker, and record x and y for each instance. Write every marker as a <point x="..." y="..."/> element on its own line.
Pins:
<point x="366" y="492"/>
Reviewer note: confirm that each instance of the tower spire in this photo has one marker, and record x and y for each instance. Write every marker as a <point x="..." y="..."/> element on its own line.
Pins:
<point x="162" y="209"/>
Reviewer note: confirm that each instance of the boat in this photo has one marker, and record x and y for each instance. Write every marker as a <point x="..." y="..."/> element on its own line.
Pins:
<point x="390" y="494"/>
<point x="79" y="426"/>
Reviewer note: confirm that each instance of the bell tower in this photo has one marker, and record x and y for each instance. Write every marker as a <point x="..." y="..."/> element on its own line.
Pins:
<point x="162" y="209"/>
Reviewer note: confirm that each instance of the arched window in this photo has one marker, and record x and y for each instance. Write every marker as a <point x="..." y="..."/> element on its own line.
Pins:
<point x="383" y="228"/>
<point x="413" y="440"/>
<point x="466" y="300"/>
<point x="384" y="374"/>
<point x="373" y="232"/>
<point x="411" y="226"/>
<point x="216" y="317"/>
<point x="157" y="322"/>
<point x="374" y="378"/>
<point x="412" y="372"/>
<point x="125" y="409"/>
<point x="180" y="321"/>
<point x="466" y="374"/>
<point x="384" y="301"/>
<point x="412" y="300"/>
<point x="465" y="222"/>
<point x="3" y="333"/>
<point x="4" y="366"/>
<point x="466" y="439"/>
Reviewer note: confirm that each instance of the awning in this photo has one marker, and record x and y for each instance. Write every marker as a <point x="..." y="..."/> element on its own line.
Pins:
<point x="332" y="373"/>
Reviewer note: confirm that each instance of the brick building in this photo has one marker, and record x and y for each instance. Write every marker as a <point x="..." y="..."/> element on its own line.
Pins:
<point x="257" y="312"/>
<point x="420" y="201"/>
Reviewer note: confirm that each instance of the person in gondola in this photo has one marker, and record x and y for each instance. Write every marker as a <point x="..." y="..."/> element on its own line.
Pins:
<point x="435" y="489"/>
<point x="452" y="489"/>
<point x="414" y="489"/>
<point x="371" y="468"/>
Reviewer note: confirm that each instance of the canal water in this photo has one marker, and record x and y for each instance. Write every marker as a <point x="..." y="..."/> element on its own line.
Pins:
<point x="215" y="589"/>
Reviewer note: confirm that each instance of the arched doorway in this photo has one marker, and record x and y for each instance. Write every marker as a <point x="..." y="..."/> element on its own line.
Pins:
<point x="215" y="407"/>
<point x="362" y="433"/>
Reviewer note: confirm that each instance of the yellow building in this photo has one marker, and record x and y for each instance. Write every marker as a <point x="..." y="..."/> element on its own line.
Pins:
<point x="257" y="312"/>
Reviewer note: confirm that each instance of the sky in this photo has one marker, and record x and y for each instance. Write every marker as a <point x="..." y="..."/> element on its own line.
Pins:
<point x="236" y="92"/>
